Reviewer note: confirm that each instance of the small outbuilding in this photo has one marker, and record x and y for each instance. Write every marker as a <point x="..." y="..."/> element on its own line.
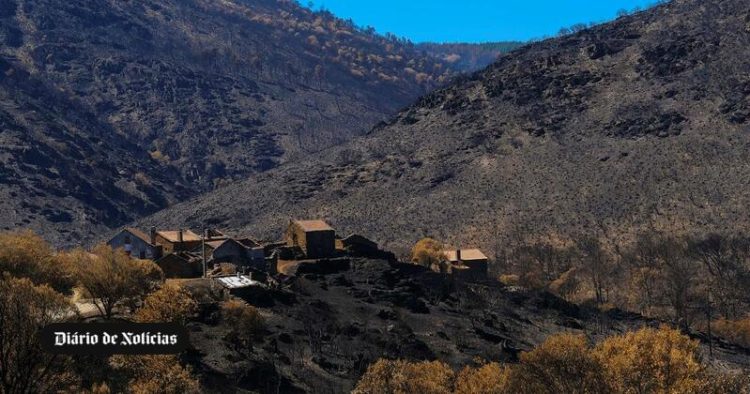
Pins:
<point x="238" y="285"/>
<point x="181" y="265"/>
<point x="315" y="237"/>
<point x="226" y="251"/>
<point x="468" y="262"/>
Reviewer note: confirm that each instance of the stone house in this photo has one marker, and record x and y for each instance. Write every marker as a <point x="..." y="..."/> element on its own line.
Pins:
<point x="315" y="237"/>
<point x="137" y="244"/>
<point x="176" y="241"/>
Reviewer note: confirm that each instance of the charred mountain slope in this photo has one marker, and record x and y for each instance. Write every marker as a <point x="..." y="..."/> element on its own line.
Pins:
<point x="641" y="122"/>
<point x="140" y="103"/>
<point x="333" y="323"/>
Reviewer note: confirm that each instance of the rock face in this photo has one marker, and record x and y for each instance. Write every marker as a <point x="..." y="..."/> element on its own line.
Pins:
<point x="113" y="109"/>
<point x="641" y="122"/>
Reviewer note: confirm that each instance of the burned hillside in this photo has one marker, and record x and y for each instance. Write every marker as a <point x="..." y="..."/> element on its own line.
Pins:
<point x="626" y="126"/>
<point x="327" y="327"/>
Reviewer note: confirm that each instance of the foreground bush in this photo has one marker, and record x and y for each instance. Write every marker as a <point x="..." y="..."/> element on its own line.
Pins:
<point x="644" y="361"/>
<point x="650" y="361"/>
<point x="386" y="376"/>
<point x="24" y="310"/>
<point x="26" y="255"/>
<point x="155" y="374"/>
<point x="245" y="322"/>
<point x="169" y="304"/>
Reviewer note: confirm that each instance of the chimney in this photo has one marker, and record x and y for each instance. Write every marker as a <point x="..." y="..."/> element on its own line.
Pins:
<point x="152" y="234"/>
<point x="458" y="255"/>
<point x="179" y="235"/>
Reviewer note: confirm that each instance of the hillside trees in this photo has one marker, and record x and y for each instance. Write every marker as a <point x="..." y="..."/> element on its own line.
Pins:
<point x="399" y="376"/>
<point x="428" y="253"/>
<point x="726" y="261"/>
<point x="155" y="374"/>
<point x="110" y="277"/>
<point x="683" y="278"/>
<point x="596" y="265"/>
<point x="245" y="322"/>
<point x="26" y="255"/>
<point x="25" y="308"/>
<point x="170" y="303"/>
<point x="644" y="361"/>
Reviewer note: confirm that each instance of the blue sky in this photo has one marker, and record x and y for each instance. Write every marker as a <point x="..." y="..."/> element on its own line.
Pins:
<point x="474" y="20"/>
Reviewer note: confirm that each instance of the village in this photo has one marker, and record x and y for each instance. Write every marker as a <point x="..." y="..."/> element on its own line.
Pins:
<point x="238" y="262"/>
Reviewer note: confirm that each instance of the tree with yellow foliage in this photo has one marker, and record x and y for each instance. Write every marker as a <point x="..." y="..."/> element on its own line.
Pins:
<point x="643" y="361"/>
<point x="155" y="374"/>
<point x="169" y="304"/>
<point x="428" y="253"/>
<point x="403" y="377"/>
<point x="491" y="378"/>
<point x="26" y="255"/>
<point x="110" y="277"/>
<point x="245" y="322"/>
<point x="562" y="364"/>
<point x="650" y="361"/>
<point x="24" y="310"/>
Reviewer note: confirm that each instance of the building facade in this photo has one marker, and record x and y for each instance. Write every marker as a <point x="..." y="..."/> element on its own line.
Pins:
<point x="137" y="244"/>
<point x="315" y="237"/>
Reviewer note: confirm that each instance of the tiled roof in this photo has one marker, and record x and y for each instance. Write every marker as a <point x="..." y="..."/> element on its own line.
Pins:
<point x="173" y="236"/>
<point x="466" y="255"/>
<point x="139" y="234"/>
<point x="313" y="225"/>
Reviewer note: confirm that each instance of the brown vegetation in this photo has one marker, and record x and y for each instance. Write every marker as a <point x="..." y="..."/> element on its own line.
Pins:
<point x="170" y="303"/>
<point x="25" y="308"/>
<point x="156" y="374"/>
<point x="24" y="254"/>
<point x="689" y="280"/>
<point x="28" y="302"/>
<point x="428" y="253"/>
<point x="645" y="361"/>
<point x="111" y="277"/>
<point x="245" y="322"/>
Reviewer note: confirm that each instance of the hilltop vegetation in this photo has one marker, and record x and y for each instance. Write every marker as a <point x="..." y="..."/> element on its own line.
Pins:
<point x="111" y="110"/>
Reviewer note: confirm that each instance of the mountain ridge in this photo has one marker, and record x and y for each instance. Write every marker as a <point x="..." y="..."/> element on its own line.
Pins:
<point x="193" y="93"/>
<point x="635" y="124"/>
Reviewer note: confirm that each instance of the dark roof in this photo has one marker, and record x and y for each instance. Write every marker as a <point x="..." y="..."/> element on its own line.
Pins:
<point x="219" y="243"/>
<point x="139" y="234"/>
<point x="248" y="242"/>
<point x="214" y="234"/>
<point x="183" y="256"/>
<point x="358" y="239"/>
